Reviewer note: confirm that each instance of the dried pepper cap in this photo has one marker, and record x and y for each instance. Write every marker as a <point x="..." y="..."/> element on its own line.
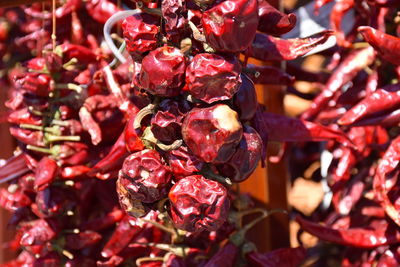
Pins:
<point x="198" y="203"/>
<point x="212" y="133"/>
<point x="231" y="25"/>
<point x="211" y="77"/>
<point x="173" y="12"/>
<point x="145" y="176"/>
<point x="246" y="158"/>
<point x="163" y="72"/>
<point x="140" y="33"/>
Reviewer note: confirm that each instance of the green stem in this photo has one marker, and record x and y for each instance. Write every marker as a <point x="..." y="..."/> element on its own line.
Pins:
<point x="56" y="138"/>
<point x="52" y="130"/>
<point x="207" y="172"/>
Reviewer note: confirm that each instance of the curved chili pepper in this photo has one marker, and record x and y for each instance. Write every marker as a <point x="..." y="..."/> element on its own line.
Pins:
<point x="284" y="129"/>
<point x="272" y="21"/>
<point x="347" y="70"/>
<point x="338" y="11"/>
<point x="389" y="119"/>
<point x="72" y="172"/>
<point x="113" y="159"/>
<point x="265" y="47"/>
<point x="355" y="237"/>
<point x="388" y="46"/>
<point x="283" y="257"/>
<point x="382" y="99"/>
<point x="46" y="172"/>
<point x="23" y="116"/>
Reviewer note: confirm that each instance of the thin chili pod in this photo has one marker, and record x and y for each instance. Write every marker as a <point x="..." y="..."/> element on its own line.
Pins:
<point x="272" y="21"/>
<point x="389" y="162"/>
<point x="355" y="237"/>
<point x="388" y="46"/>
<point x="284" y="129"/>
<point x="347" y="70"/>
<point x="381" y="100"/>
<point x="266" y="47"/>
<point x="113" y="159"/>
<point x="336" y="17"/>
<point x="389" y="119"/>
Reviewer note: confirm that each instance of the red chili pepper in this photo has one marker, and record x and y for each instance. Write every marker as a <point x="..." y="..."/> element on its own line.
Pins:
<point x="34" y="138"/>
<point x="387" y="45"/>
<point x="83" y="54"/>
<point x="101" y="10"/>
<point x="284" y="129"/>
<point x="127" y="228"/>
<point x="283" y="257"/>
<point x="230" y="26"/>
<point x="388" y="163"/>
<point x="383" y="99"/>
<point x="245" y="100"/>
<point x="73" y="172"/>
<point x="338" y="12"/>
<point x="104" y="222"/>
<point x="46" y="172"/>
<point x="77" y="34"/>
<point x="208" y="136"/>
<point x="38" y="232"/>
<point x="320" y="3"/>
<point x="355" y="237"/>
<point x="272" y="21"/>
<point x="113" y="159"/>
<point x="12" y="200"/>
<point x="265" y="47"/>
<point x="36" y="83"/>
<point x="347" y="70"/>
<point x="198" y="203"/>
<point x="268" y="75"/>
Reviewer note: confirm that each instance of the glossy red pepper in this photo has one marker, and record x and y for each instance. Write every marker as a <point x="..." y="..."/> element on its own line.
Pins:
<point x="336" y="17"/>
<point x="182" y="163"/>
<point x="83" y="54"/>
<point x="386" y="45"/>
<point x="101" y="10"/>
<point x="245" y="100"/>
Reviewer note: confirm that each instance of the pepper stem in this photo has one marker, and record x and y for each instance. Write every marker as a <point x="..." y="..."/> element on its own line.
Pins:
<point x="175" y="145"/>
<point x="56" y="138"/>
<point x="180" y="251"/>
<point x="39" y="149"/>
<point x="160" y="226"/>
<point x="70" y="63"/>
<point x="147" y="110"/>
<point x="52" y="130"/>
<point x="206" y="171"/>
<point x="196" y="33"/>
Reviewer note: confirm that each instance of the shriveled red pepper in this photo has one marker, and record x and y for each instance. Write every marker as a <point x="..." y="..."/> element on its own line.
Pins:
<point x="46" y="171"/>
<point x="101" y="10"/>
<point x="388" y="46"/>
<point x="284" y="129"/>
<point x="82" y="240"/>
<point x="347" y="70"/>
<point x="383" y="99"/>
<point x="245" y="100"/>
<point x="356" y="237"/>
<point x="83" y="54"/>
<point x="265" y="47"/>
<point x="336" y="17"/>
<point x="272" y="21"/>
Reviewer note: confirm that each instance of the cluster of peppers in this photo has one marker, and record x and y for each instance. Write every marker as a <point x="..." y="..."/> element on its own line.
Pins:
<point x="132" y="162"/>
<point x="360" y="213"/>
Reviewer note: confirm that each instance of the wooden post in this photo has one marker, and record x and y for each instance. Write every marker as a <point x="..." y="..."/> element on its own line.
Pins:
<point x="269" y="185"/>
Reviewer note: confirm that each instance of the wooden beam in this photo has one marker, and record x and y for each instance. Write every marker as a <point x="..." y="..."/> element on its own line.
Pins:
<point x="14" y="3"/>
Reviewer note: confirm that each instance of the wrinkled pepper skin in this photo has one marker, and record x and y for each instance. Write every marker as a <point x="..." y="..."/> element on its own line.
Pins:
<point x="140" y="33"/>
<point x="230" y="26"/>
<point x="212" y="133"/>
<point x="212" y="77"/>
<point x="246" y="157"/>
<point x="163" y="71"/>
<point x="272" y="21"/>
<point x="145" y="176"/>
<point x="245" y="100"/>
<point x="198" y="204"/>
<point x="388" y="46"/>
